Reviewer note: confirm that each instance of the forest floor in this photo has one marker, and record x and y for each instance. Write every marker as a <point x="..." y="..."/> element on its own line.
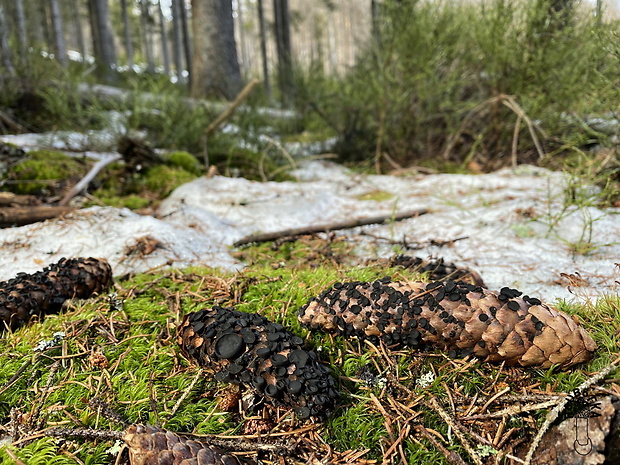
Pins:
<point x="540" y="231"/>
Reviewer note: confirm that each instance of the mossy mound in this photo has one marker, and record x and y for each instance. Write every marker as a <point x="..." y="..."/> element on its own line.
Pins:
<point x="184" y="160"/>
<point x="51" y="168"/>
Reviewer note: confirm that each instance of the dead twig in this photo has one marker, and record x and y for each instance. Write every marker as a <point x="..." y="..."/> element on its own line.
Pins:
<point x="451" y="456"/>
<point x="555" y="412"/>
<point x="85" y="181"/>
<point x="329" y="227"/>
<point x="512" y="410"/>
<point x="231" y="108"/>
<point x="456" y="427"/>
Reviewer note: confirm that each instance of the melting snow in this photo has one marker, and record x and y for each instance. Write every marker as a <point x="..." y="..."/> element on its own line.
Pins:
<point x="512" y="226"/>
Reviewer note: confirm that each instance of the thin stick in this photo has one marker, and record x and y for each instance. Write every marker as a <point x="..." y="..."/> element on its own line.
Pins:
<point x="185" y="394"/>
<point x="555" y="412"/>
<point x="11" y="123"/>
<point x="329" y="227"/>
<point x="513" y="410"/>
<point x="83" y="184"/>
<point x="456" y="428"/>
<point x="231" y="108"/>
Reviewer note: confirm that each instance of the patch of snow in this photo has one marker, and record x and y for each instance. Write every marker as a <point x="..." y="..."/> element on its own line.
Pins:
<point x="512" y="226"/>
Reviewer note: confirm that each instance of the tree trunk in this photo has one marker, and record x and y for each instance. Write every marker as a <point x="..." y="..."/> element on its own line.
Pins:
<point x="20" y="23"/>
<point x="187" y="41"/>
<point x="216" y="67"/>
<point x="145" y="21"/>
<point x="374" y="13"/>
<point x="60" y="45"/>
<point x="35" y="30"/>
<point x="283" y="46"/>
<point x="5" y="51"/>
<point x="177" y="39"/>
<point x="103" y="40"/>
<point x="263" y="48"/>
<point x="245" y="59"/>
<point x="77" y="26"/>
<point x="127" y="34"/>
<point x="164" y="40"/>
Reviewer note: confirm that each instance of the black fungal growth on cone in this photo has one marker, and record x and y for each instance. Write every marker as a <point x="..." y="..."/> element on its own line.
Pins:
<point x="458" y="317"/>
<point x="149" y="445"/>
<point x="247" y="349"/>
<point x="33" y="295"/>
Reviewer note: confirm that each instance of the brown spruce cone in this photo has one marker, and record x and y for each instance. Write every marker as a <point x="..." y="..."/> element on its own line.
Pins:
<point x="30" y="295"/>
<point x="248" y="349"/>
<point x="149" y="445"/>
<point x="460" y="318"/>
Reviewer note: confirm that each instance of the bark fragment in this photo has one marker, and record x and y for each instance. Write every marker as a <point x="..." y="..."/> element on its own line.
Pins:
<point x="458" y="317"/>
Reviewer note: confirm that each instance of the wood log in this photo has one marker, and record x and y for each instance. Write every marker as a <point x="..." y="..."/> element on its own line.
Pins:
<point x="8" y="199"/>
<point x="19" y="216"/>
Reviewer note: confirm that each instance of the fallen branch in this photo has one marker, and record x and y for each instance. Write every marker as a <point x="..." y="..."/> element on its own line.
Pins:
<point x="8" y="199"/>
<point x="19" y="216"/>
<point x="231" y="108"/>
<point x="329" y="227"/>
<point x="83" y="184"/>
<point x="12" y="124"/>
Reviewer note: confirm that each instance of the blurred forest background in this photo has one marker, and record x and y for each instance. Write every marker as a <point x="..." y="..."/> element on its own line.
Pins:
<point x="437" y="85"/>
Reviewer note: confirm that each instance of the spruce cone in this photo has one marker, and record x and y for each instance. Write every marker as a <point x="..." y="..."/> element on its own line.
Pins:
<point x="149" y="445"/>
<point x="247" y="349"/>
<point x="458" y="317"/>
<point x="30" y="295"/>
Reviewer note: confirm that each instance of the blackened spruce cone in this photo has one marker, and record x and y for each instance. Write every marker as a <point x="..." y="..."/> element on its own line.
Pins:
<point x="248" y="349"/>
<point x="460" y="318"/>
<point x="149" y="445"/>
<point x="33" y="295"/>
<point x="437" y="269"/>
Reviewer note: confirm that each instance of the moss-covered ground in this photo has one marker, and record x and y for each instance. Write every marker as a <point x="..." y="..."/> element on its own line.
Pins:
<point x="123" y="351"/>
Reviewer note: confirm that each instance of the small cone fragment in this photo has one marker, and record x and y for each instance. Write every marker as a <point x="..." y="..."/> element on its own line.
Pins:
<point x="460" y="318"/>
<point x="247" y="349"/>
<point x="33" y="295"/>
<point x="149" y="445"/>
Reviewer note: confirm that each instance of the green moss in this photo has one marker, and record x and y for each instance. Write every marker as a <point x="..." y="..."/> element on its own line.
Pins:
<point x="184" y="160"/>
<point x="146" y="375"/>
<point x="133" y="202"/>
<point x="163" y="179"/>
<point x="43" y="165"/>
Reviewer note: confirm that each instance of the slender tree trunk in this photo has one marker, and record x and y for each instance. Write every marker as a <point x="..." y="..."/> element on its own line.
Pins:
<point x="164" y="39"/>
<point x="187" y="41"/>
<point x="374" y="14"/>
<point x="103" y="39"/>
<point x="5" y="51"/>
<point x="177" y="39"/>
<point x="145" y="21"/>
<point x="283" y="45"/>
<point x="60" y="45"/>
<point x="245" y="63"/>
<point x="77" y="28"/>
<point x="127" y="34"/>
<point x="36" y="23"/>
<point x="263" y="48"/>
<point x="20" y="23"/>
<point x="215" y="54"/>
